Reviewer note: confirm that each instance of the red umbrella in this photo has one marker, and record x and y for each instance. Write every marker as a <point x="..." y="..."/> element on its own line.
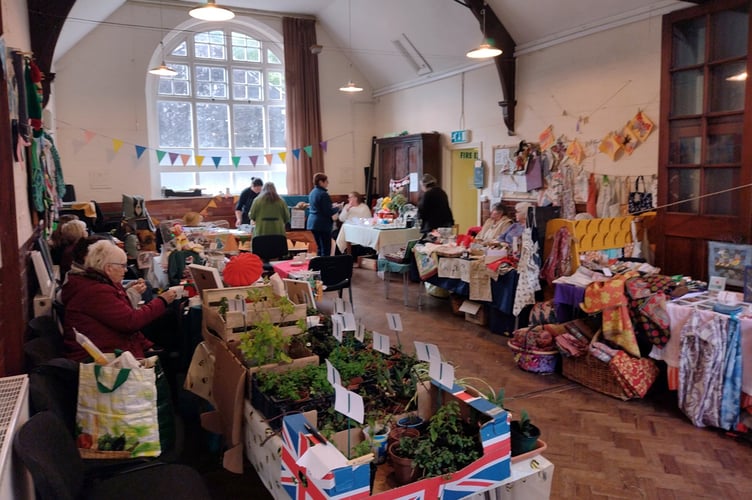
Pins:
<point x="243" y="269"/>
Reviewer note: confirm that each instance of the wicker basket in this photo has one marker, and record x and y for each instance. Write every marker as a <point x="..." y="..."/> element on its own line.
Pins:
<point x="534" y="361"/>
<point x="593" y="374"/>
<point x="87" y="453"/>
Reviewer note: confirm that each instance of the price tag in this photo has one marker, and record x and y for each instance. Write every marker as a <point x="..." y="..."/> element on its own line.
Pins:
<point x="337" y="326"/>
<point x="381" y="343"/>
<point x="348" y="403"/>
<point x="427" y="352"/>
<point x="442" y="372"/>
<point x="339" y="305"/>
<point x="360" y="333"/>
<point x="332" y="374"/>
<point x="349" y="322"/>
<point x="395" y="321"/>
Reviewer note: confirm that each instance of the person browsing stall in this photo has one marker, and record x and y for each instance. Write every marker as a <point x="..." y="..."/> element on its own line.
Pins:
<point x="433" y="206"/>
<point x="97" y="305"/>
<point x="245" y="201"/>
<point x="321" y="212"/>
<point x="516" y="229"/>
<point x="269" y="212"/>
<point x="496" y="224"/>
<point x="354" y="209"/>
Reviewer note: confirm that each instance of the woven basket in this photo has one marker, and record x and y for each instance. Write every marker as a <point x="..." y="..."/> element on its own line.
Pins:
<point x="88" y="453"/>
<point x="592" y="373"/>
<point x="534" y="361"/>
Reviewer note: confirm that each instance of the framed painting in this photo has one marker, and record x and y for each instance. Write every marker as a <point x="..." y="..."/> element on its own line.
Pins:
<point x="728" y="260"/>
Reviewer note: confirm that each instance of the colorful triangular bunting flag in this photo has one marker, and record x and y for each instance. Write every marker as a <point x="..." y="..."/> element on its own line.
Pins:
<point x="173" y="157"/>
<point x="199" y="160"/>
<point x="235" y="160"/>
<point x="116" y="145"/>
<point x="254" y="159"/>
<point x="309" y="151"/>
<point x="216" y="160"/>
<point x="139" y="151"/>
<point x="282" y="156"/>
<point x="296" y="153"/>
<point x="324" y="145"/>
<point x="184" y="159"/>
<point x="160" y="155"/>
<point x="268" y="159"/>
<point x="89" y="135"/>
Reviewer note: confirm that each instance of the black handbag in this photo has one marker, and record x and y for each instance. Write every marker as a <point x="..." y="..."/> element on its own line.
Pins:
<point x="640" y="201"/>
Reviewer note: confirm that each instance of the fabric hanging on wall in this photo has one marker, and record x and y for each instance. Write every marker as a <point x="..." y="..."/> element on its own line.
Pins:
<point x="568" y="209"/>
<point x="592" y="196"/>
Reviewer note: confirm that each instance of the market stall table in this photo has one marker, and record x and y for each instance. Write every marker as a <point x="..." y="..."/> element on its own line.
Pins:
<point x="373" y="236"/>
<point x="284" y="267"/>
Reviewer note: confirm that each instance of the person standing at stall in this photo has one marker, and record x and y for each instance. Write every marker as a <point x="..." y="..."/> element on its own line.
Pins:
<point x="433" y="206"/>
<point x="246" y="200"/>
<point x="269" y="212"/>
<point x="321" y="214"/>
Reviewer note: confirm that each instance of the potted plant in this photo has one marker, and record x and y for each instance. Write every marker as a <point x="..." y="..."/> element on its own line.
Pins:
<point x="524" y="435"/>
<point x="263" y="344"/>
<point x="377" y="432"/>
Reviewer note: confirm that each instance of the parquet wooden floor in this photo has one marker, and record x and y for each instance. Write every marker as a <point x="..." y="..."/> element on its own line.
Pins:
<point x="601" y="447"/>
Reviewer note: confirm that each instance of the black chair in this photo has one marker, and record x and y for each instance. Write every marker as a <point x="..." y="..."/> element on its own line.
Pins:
<point x="336" y="272"/>
<point x="269" y="247"/>
<point x="57" y="470"/>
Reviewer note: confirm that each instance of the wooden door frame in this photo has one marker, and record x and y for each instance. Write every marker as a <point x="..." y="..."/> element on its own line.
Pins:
<point x="446" y="174"/>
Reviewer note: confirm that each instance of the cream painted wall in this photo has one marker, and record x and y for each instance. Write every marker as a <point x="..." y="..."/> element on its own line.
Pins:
<point x="101" y="86"/>
<point x="16" y="36"/>
<point x="606" y="77"/>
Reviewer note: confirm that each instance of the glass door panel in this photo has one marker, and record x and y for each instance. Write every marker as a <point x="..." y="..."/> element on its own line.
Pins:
<point x="689" y="43"/>
<point x="686" y="92"/>
<point x="717" y="180"/>
<point x="685" y="143"/>
<point x="683" y="184"/>
<point x="729" y="30"/>
<point x="727" y="87"/>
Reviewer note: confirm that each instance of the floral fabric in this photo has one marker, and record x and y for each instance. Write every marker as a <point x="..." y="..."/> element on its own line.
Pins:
<point x="608" y="297"/>
<point x="635" y="376"/>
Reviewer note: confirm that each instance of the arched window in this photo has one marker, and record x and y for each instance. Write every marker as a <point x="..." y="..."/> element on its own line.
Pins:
<point x="227" y="105"/>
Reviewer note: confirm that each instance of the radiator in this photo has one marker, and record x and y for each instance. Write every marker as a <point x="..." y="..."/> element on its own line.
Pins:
<point x="15" y="481"/>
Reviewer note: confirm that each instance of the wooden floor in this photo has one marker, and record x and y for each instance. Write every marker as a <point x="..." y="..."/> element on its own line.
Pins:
<point x="601" y="447"/>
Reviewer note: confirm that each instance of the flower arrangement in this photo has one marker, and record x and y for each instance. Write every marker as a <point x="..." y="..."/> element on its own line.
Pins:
<point x="394" y="202"/>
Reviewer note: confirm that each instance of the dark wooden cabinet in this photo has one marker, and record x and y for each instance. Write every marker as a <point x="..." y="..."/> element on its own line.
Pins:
<point x="398" y="157"/>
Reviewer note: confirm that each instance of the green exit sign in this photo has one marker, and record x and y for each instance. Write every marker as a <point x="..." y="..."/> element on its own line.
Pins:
<point x="460" y="136"/>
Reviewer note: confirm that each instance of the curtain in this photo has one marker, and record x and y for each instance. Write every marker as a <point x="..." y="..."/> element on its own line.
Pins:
<point x="303" y="110"/>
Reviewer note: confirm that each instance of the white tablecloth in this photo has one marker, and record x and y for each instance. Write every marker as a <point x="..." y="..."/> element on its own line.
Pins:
<point x="371" y="237"/>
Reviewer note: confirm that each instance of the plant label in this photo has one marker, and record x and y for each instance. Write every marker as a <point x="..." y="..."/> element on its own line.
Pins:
<point x="339" y="305"/>
<point x="332" y="374"/>
<point x="442" y="372"/>
<point x="312" y="321"/>
<point x="337" y="326"/>
<point x="348" y="403"/>
<point x="381" y="343"/>
<point x="426" y="352"/>
<point x="395" y="321"/>
<point x="349" y="322"/>
<point x="360" y="333"/>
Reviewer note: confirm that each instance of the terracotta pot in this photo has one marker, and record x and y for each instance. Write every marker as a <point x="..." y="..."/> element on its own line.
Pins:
<point x="403" y="469"/>
<point x="399" y="432"/>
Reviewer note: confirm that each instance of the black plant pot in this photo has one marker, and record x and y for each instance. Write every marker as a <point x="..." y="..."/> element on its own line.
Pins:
<point x="521" y="443"/>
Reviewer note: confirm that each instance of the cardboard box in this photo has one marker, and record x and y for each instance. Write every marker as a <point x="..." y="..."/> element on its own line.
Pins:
<point x="352" y="480"/>
<point x="475" y="312"/>
<point x="369" y="262"/>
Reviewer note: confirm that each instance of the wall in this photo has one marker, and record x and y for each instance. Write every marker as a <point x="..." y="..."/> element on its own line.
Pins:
<point x="101" y="85"/>
<point x="606" y="77"/>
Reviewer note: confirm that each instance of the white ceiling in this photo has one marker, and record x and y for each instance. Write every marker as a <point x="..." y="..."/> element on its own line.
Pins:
<point x="442" y="31"/>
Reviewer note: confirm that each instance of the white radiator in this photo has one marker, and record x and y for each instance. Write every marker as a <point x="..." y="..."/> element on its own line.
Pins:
<point x="15" y="481"/>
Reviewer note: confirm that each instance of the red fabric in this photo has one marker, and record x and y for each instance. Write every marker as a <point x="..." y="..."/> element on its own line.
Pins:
<point x="243" y="270"/>
<point x="634" y="375"/>
<point x="473" y="231"/>
<point x="284" y="267"/>
<point x="464" y="240"/>
<point x="102" y="311"/>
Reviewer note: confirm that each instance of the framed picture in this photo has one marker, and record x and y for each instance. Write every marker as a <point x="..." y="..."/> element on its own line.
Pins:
<point x="205" y="277"/>
<point x="43" y="276"/>
<point x="728" y="260"/>
<point x="717" y="284"/>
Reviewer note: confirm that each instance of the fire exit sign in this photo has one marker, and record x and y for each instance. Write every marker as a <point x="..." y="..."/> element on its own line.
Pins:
<point x="460" y="136"/>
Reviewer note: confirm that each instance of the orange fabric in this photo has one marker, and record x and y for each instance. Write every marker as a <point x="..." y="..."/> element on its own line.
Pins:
<point x="608" y="297"/>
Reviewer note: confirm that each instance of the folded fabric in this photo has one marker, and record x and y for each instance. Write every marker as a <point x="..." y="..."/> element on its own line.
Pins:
<point x="602" y="351"/>
<point x="579" y="329"/>
<point x="569" y="345"/>
<point x="635" y="375"/>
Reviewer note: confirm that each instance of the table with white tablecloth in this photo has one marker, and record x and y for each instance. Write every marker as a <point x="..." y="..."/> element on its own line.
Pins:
<point x="374" y="236"/>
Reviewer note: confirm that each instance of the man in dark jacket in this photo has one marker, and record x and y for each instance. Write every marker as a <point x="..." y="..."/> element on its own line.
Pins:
<point x="433" y="206"/>
<point x="321" y="212"/>
<point x="246" y="200"/>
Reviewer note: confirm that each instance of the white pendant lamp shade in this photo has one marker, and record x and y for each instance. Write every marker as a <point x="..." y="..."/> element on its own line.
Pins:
<point x="351" y="87"/>
<point x="212" y="12"/>
<point x="163" y="70"/>
<point x="484" y="51"/>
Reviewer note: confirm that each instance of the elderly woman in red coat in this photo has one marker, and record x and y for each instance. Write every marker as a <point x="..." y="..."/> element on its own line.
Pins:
<point x="97" y="305"/>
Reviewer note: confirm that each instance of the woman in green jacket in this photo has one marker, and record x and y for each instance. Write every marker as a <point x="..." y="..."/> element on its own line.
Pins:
<point x="269" y="212"/>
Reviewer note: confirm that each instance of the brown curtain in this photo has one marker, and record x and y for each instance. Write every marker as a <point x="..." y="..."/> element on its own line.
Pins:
<point x="303" y="110"/>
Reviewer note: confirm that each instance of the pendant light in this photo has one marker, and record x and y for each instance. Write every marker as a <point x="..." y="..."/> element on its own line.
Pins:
<point x="162" y="69"/>
<point x="212" y="12"/>
<point x="350" y="86"/>
<point x="485" y="50"/>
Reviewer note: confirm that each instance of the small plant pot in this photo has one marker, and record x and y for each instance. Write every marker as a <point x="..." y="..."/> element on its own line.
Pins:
<point x="399" y="432"/>
<point x="413" y="421"/>
<point x="378" y="442"/>
<point x="403" y="468"/>
<point x="521" y="443"/>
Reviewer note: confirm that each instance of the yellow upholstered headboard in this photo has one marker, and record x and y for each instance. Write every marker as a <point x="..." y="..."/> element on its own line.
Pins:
<point x="593" y="234"/>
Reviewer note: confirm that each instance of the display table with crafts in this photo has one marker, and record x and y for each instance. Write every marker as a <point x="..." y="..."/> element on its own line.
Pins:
<point x="374" y="235"/>
<point x="217" y="238"/>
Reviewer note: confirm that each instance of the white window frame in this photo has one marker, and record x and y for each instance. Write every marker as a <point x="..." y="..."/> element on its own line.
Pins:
<point x="237" y="177"/>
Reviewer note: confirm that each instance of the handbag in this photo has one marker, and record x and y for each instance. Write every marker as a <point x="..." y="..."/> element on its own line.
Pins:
<point x="124" y="412"/>
<point x="640" y="201"/>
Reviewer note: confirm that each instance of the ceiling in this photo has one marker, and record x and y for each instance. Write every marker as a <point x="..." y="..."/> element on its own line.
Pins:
<point x="441" y="31"/>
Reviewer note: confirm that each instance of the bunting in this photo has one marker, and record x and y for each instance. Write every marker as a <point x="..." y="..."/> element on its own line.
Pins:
<point x="116" y="145"/>
<point x="139" y="151"/>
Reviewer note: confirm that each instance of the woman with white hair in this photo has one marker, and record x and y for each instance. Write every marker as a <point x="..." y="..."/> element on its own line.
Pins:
<point x="516" y="229"/>
<point x="97" y="305"/>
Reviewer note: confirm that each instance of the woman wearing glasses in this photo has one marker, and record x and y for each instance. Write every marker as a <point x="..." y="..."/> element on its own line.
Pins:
<point x="97" y="305"/>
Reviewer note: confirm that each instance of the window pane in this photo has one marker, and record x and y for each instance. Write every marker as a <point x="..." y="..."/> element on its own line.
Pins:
<point x="689" y="43"/>
<point x="684" y="183"/>
<point x="279" y="179"/>
<point x="177" y="180"/>
<point x="725" y="94"/>
<point x="248" y="126"/>
<point x="724" y="148"/>
<point x="245" y="48"/>
<point x="729" y="34"/>
<point x="180" y="50"/>
<point x="276" y="85"/>
<point x="272" y="58"/>
<point x="210" y="45"/>
<point x="214" y="182"/>
<point x="212" y="124"/>
<point x="175" y="120"/>
<point x="247" y="85"/>
<point x="685" y="150"/>
<point x="720" y="179"/>
<point x="211" y="82"/>
<point x="277" y="127"/>
<point x="175" y="85"/>
<point x="686" y="92"/>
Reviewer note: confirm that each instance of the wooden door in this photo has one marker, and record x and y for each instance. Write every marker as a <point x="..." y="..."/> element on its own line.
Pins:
<point x="705" y="165"/>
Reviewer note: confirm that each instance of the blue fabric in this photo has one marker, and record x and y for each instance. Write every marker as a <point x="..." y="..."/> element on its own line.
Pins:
<point x="732" y="377"/>
<point x="320" y="210"/>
